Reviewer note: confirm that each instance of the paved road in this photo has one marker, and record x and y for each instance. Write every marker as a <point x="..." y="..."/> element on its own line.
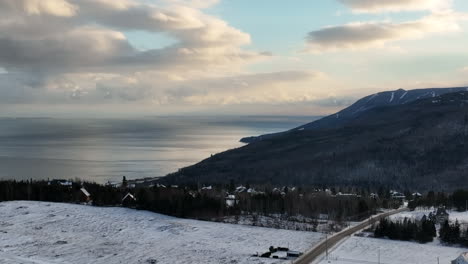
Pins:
<point x="320" y="248"/>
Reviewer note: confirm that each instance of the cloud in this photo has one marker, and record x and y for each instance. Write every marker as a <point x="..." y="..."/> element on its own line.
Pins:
<point x="245" y="88"/>
<point x="196" y="3"/>
<point x="60" y="8"/>
<point x="94" y="38"/>
<point x="377" y="6"/>
<point x="159" y="89"/>
<point x="76" y="51"/>
<point x="365" y="35"/>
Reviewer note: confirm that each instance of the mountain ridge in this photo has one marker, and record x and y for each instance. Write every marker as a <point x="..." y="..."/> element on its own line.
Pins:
<point x="386" y="98"/>
<point x="418" y="145"/>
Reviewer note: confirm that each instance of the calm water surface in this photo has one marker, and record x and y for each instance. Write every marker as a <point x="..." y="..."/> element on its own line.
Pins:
<point x="106" y="149"/>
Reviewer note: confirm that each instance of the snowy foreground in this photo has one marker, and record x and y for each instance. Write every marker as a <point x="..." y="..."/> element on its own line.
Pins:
<point x="366" y="250"/>
<point x="52" y="233"/>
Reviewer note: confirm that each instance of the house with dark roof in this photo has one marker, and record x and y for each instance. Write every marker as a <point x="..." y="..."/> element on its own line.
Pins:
<point x="129" y="200"/>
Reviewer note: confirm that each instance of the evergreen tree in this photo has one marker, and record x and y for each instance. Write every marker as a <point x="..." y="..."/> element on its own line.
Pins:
<point x="124" y="182"/>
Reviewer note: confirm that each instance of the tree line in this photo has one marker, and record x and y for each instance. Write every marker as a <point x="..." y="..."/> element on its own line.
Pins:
<point x="453" y="233"/>
<point x="193" y="202"/>
<point x="458" y="199"/>
<point x="422" y="231"/>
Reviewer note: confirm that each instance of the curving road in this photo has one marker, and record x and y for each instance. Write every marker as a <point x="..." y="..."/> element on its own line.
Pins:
<point x="321" y="248"/>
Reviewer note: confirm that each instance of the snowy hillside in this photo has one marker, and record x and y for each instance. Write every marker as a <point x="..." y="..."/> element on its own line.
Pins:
<point x="35" y="232"/>
<point x="366" y="250"/>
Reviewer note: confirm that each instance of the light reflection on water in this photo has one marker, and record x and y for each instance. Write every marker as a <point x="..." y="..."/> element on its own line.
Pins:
<point x="106" y="149"/>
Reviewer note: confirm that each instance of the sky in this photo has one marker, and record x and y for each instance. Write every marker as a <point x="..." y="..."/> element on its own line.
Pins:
<point x="215" y="57"/>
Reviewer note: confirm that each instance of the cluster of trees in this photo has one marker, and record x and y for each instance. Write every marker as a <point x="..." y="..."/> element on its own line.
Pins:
<point x="39" y="191"/>
<point x="308" y="204"/>
<point x="452" y="233"/>
<point x="171" y="201"/>
<point x="422" y="231"/>
<point x="192" y="202"/>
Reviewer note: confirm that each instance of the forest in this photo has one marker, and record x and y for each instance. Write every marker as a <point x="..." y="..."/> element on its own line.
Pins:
<point x="204" y="203"/>
<point x="422" y="231"/>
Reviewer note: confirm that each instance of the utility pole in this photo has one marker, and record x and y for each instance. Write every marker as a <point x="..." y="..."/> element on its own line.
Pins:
<point x="379" y="255"/>
<point x="326" y="245"/>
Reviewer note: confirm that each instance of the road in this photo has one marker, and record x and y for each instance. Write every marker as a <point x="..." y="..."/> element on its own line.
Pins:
<point x="321" y="248"/>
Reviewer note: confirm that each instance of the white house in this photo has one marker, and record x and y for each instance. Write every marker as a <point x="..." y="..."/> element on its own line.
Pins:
<point x="231" y="200"/>
<point x="207" y="188"/>
<point x="462" y="259"/>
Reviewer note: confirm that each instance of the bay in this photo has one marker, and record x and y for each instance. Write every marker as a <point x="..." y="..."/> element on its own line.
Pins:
<point x="102" y="150"/>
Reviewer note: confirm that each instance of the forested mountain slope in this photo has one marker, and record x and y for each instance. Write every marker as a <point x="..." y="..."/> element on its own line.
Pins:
<point x="421" y="145"/>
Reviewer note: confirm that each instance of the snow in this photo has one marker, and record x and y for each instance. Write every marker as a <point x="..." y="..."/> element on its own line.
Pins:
<point x="51" y="233"/>
<point x="411" y="215"/>
<point x="403" y="95"/>
<point x="366" y="250"/>
<point x="462" y="217"/>
<point x="85" y="192"/>
<point x="372" y="97"/>
<point x="393" y="96"/>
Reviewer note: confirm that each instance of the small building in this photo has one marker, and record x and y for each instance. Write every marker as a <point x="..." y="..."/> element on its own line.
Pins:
<point x="241" y="189"/>
<point x="294" y="254"/>
<point x="397" y="195"/>
<point x="251" y="191"/>
<point x="61" y="183"/>
<point x="129" y="200"/>
<point x="230" y="200"/>
<point x="323" y="217"/>
<point x="462" y="259"/>
<point x="85" y="196"/>
<point x="441" y="215"/>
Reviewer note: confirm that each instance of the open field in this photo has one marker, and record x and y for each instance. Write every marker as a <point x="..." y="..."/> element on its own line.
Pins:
<point x="366" y="250"/>
<point x="52" y="233"/>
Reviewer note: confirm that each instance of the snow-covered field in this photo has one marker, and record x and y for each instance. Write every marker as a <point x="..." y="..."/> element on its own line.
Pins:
<point x="51" y="233"/>
<point x="366" y="250"/>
